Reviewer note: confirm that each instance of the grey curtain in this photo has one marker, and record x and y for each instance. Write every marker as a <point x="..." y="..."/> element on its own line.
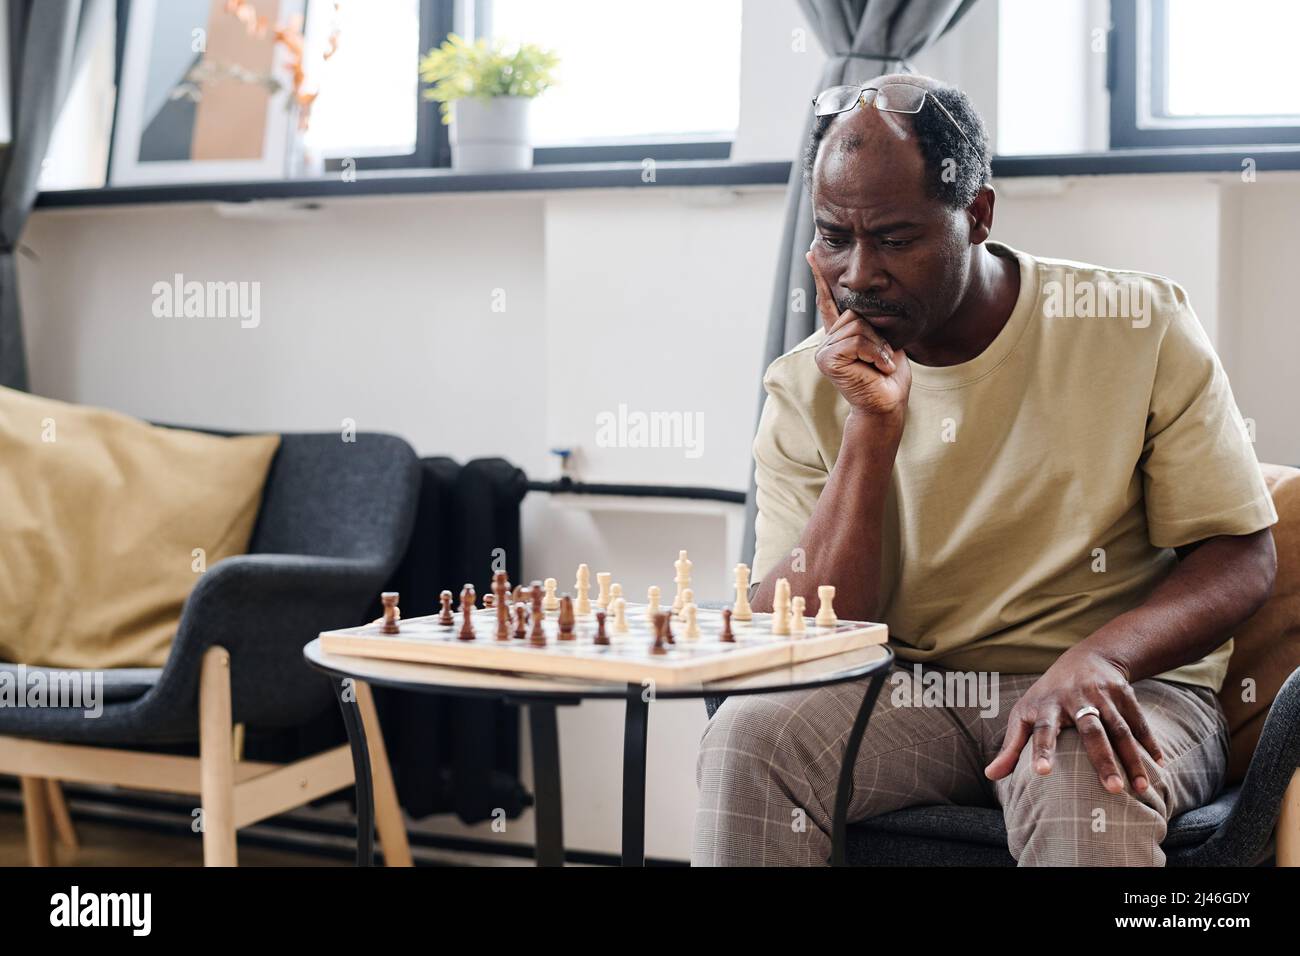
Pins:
<point x="47" y="40"/>
<point x="864" y="38"/>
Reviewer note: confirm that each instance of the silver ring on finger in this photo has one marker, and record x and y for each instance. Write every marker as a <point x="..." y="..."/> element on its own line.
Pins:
<point x="1085" y="711"/>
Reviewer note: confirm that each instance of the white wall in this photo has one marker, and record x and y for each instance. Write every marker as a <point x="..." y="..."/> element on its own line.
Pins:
<point x="380" y="310"/>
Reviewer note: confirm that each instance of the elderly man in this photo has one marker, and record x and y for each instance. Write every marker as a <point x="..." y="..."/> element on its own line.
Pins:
<point x="1029" y="468"/>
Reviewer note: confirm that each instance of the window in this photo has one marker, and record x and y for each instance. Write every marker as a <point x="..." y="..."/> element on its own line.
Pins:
<point x="1204" y="73"/>
<point x="660" y="80"/>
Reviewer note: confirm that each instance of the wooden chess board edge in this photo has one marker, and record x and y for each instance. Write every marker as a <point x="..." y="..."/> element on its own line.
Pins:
<point x="668" y="672"/>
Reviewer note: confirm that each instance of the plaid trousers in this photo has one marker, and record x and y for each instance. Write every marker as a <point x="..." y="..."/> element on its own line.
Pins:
<point x="769" y="765"/>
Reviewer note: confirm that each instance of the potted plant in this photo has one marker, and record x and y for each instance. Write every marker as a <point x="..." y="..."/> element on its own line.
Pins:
<point x="485" y="93"/>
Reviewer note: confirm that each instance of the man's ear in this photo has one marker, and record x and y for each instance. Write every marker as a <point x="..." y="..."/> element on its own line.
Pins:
<point x="980" y="215"/>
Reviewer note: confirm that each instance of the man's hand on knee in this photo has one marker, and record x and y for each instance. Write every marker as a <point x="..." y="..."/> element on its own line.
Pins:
<point x="1086" y="691"/>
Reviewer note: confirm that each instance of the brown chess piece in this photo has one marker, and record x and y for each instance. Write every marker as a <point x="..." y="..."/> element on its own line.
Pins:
<point x="661" y="623"/>
<point x="489" y="600"/>
<point x="500" y="588"/>
<point x="521" y="621"/>
<point x="727" y="637"/>
<point x="537" y="636"/>
<point x="445" y="618"/>
<point x="467" y="609"/>
<point x="566" y="618"/>
<point x="391" y="613"/>
<point x="601" y="636"/>
<point x="668" y="630"/>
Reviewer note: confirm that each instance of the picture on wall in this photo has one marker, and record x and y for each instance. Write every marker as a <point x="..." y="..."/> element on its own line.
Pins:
<point x="205" y="91"/>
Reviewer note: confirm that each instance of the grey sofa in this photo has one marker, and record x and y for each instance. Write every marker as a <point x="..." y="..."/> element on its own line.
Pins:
<point x="1235" y="829"/>
<point x="333" y="524"/>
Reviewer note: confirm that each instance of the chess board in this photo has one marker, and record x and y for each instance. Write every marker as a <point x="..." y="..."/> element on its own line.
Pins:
<point x="627" y="657"/>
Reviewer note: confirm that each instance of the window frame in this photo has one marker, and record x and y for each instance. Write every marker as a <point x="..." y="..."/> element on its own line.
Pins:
<point x="1132" y="23"/>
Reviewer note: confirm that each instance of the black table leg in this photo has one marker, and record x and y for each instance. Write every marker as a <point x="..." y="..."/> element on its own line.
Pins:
<point x="839" y="822"/>
<point x="546" y="784"/>
<point x="636" y="726"/>
<point x="361" y="770"/>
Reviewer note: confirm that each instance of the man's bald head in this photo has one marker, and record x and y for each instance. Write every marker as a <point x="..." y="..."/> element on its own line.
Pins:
<point x="953" y="170"/>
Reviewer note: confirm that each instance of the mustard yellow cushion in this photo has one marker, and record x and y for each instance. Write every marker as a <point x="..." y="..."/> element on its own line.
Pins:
<point x="106" y="523"/>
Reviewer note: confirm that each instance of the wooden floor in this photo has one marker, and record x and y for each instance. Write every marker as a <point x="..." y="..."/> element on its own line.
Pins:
<point x="105" y="845"/>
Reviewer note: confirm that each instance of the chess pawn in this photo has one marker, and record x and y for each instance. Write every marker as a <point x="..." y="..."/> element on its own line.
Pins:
<point x="521" y="621"/>
<point x="661" y="620"/>
<point x="726" y="635"/>
<point x="604" y="597"/>
<point x="551" y="602"/>
<point x="690" y="615"/>
<point x="615" y="592"/>
<point x="781" y="607"/>
<point x="652" y="603"/>
<point x="797" y="624"/>
<point x="688" y="597"/>
<point x="445" y="618"/>
<point x="619" y="607"/>
<point x="601" y="637"/>
<point x="742" y="610"/>
<point x="582" y="587"/>
<point x="826" y="609"/>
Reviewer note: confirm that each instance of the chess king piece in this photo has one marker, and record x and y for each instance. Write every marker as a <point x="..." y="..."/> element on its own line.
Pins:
<point x="551" y="601"/>
<point x="603" y="598"/>
<point x="391" y="613"/>
<point x="690" y="613"/>
<point x="825" y="607"/>
<point x="781" y="607"/>
<point x="797" y="624"/>
<point x="652" y="603"/>
<point x="619" y="607"/>
<point x="582" y="588"/>
<point x="682" y="580"/>
<point x="742" y="611"/>
<point x="445" y="618"/>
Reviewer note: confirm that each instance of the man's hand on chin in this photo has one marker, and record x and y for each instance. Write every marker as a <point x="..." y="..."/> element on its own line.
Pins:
<point x="1112" y="736"/>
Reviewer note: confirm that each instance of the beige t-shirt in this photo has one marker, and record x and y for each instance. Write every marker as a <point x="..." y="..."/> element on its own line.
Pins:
<point x="1039" y="487"/>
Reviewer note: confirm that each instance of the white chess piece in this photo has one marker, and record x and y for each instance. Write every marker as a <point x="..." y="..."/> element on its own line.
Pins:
<point x="689" y="614"/>
<point x="688" y="597"/>
<point x="619" y="607"/>
<point x="549" y="601"/>
<point x="825" y="609"/>
<point x="615" y="591"/>
<point x="797" y="624"/>
<point x="682" y="580"/>
<point x="742" y="611"/>
<point x="582" y="587"/>
<point x="652" y="603"/>
<point x="603" y="598"/>
<point x="781" y="607"/>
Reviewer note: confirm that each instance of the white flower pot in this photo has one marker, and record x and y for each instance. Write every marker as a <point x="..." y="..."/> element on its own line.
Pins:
<point x="491" y="135"/>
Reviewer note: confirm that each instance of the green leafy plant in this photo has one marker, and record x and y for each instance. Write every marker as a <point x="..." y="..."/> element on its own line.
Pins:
<point x="460" y="69"/>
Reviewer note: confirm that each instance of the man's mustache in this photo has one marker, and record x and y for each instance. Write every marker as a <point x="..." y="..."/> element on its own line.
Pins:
<point x="869" y="304"/>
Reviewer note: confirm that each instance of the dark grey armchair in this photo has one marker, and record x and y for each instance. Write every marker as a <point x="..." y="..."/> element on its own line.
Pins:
<point x="334" y="522"/>
<point x="1236" y="829"/>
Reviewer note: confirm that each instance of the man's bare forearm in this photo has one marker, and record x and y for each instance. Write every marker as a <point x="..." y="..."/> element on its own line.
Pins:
<point x="1191" y="612"/>
<point x="841" y="543"/>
